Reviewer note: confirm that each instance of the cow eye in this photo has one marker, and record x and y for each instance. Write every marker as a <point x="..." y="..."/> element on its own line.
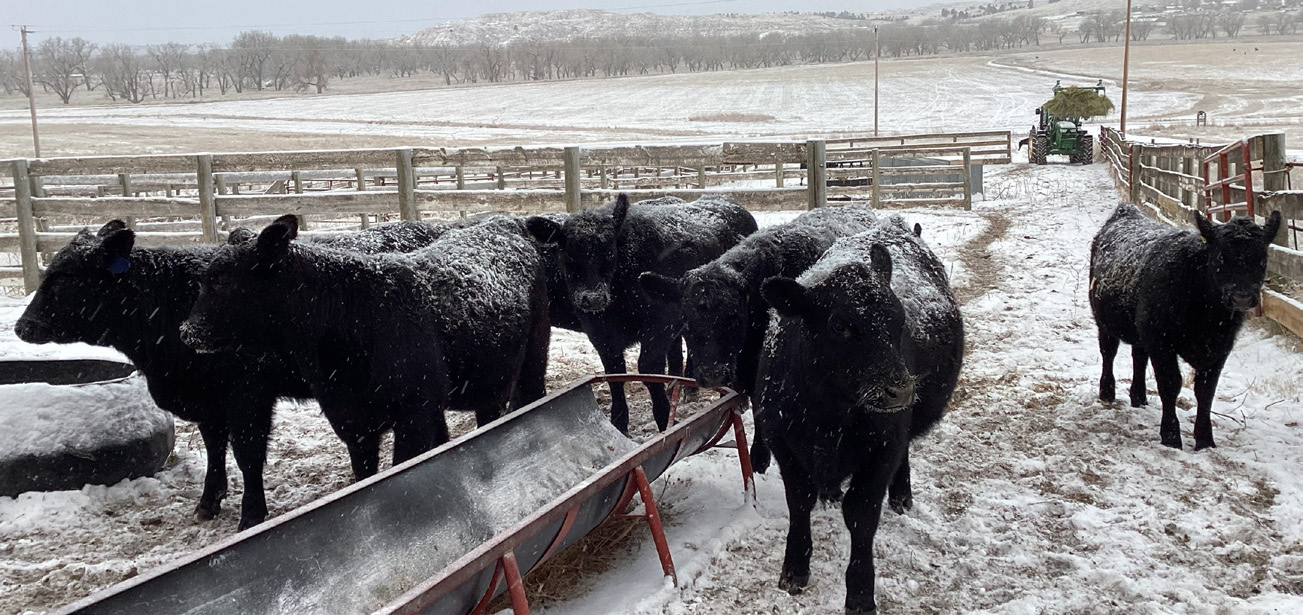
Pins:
<point x="841" y="329"/>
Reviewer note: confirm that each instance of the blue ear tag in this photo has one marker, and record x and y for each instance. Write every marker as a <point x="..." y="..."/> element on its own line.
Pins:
<point x="119" y="265"/>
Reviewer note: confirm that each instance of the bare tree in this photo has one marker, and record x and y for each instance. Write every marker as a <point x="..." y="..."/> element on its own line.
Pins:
<point x="1231" y="23"/>
<point x="252" y="50"/>
<point x="61" y="64"/>
<point x="124" y="74"/>
<point x="168" y="58"/>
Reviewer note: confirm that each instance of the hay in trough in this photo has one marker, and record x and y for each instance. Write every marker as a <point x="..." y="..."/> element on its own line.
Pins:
<point x="1080" y="103"/>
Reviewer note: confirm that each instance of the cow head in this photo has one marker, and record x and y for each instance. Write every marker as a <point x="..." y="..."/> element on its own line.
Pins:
<point x="588" y="245"/>
<point x="714" y="304"/>
<point x="240" y="288"/>
<point x="1237" y="257"/>
<point x="853" y="330"/>
<point x="85" y="291"/>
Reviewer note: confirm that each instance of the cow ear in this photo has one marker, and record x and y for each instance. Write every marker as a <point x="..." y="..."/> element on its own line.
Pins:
<point x="660" y="288"/>
<point x="241" y="235"/>
<point x="787" y="296"/>
<point x="1272" y="227"/>
<point x="880" y="261"/>
<point x="545" y="230"/>
<point x="117" y="246"/>
<point x="621" y="209"/>
<point x="1206" y="227"/>
<point x="918" y="230"/>
<point x="274" y="241"/>
<point x="109" y="228"/>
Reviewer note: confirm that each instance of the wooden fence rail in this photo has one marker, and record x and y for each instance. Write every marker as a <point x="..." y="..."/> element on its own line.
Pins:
<point x="216" y="188"/>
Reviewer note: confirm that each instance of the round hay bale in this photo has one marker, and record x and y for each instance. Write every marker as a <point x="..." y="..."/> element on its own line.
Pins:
<point x="68" y="423"/>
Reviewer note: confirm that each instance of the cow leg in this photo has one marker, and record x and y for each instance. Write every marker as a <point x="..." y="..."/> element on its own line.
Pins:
<point x="1139" y="364"/>
<point x="1108" y="350"/>
<point x="1205" y="390"/>
<point x="613" y="362"/>
<point x="363" y="453"/>
<point x="802" y="495"/>
<point x="760" y="455"/>
<point x="531" y="385"/>
<point x="1167" y="373"/>
<point x="674" y="358"/>
<point x="425" y="429"/>
<point x="901" y="496"/>
<point x="215" y="435"/>
<point x="651" y="360"/>
<point x="862" y="509"/>
<point x="249" y="436"/>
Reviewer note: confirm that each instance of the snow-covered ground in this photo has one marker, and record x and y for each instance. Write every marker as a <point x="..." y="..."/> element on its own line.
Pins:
<point x="1030" y="497"/>
<point x="925" y="95"/>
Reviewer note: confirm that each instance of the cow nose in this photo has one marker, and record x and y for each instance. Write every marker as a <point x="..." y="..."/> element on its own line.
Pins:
<point x="1244" y="300"/>
<point x="897" y="396"/>
<point x="592" y="301"/>
<point x="713" y="375"/>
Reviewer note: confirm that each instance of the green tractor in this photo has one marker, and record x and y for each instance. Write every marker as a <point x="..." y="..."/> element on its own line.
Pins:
<point x="1059" y="129"/>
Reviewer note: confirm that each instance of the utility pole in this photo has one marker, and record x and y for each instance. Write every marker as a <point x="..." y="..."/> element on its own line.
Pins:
<point x="31" y="93"/>
<point x="1126" y="63"/>
<point x="877" y="51"/>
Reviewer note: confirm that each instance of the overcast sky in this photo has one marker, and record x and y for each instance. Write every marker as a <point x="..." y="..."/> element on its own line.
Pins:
<point x="141" y="22"/>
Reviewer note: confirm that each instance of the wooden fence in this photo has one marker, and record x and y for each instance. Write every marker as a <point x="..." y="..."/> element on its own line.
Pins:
<point x="1177" y="181"/>
<point x="217" y="189"/>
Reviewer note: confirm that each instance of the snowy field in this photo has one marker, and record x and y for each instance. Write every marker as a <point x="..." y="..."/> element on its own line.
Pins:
<point x="1030" y="497"/>
<point x="918" y="95"/>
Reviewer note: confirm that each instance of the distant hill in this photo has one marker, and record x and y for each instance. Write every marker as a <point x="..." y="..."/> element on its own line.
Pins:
<point x="506" y="28"/>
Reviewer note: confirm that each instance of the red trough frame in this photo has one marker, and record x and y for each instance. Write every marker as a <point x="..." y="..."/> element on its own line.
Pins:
<point x="1222" y="156"/>
<point x="499" y="552"/>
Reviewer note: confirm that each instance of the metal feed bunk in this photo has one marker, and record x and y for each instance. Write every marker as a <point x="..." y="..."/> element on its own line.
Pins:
<point x="420" y="537"/>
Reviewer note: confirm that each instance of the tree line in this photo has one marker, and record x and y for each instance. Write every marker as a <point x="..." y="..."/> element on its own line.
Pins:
<point x="256" y="60"/>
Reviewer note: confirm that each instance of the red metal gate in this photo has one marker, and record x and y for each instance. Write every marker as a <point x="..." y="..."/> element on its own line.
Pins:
<point x="1222" y="158"/>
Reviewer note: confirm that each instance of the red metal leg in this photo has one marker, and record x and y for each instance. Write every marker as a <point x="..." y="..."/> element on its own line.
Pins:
<point x="515" y="585"/>
<point x="654" y="521"/>
<point x="744" y="457"/>
<point x="561" y="534"/>
<point x="488" y="594"/>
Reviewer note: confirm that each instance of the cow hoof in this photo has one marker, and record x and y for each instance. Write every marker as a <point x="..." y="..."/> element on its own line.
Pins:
<point x="1107" y="394"/>
<point x="248" y="523"/>
<point x="207" y="513"/>
<point x="760" y="463"/>
<point x="1200" y="444"/>
<point x="901" y="505"/>
<point x="793" y="583"/>
<point x="1172" y="441"/>
<point x="1139" y="402"/>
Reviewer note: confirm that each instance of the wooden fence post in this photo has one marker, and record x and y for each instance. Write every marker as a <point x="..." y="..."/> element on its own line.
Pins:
<point x="296" y="178"/>
<point x="502" y="179"/>
<point x="605" y="181"/>
<point x="26" y="227"/>
<point x="1275" y="174"/>
<point x="876" y="179"/>
<point x="406" y="186"/>
<point x="461" y="185"/>
<point x="1135" y="151"/>
<point x="572" y="179"/>
<point x="968" y="179"/>
<point x="361" y="187"/>
<point x="207" y="201"/>
<point x="701" y="177"/>
<point x="816" y="165"/>
<point x="778" y="174"/>
<point x="124" y="180"/>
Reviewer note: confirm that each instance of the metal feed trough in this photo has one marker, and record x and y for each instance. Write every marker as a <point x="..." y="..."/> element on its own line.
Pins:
<point x="440" y="533"/>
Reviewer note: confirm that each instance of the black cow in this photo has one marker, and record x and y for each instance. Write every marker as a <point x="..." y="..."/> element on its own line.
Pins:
<point x="388" y="341"/>
<point x="1171" y="293"/>
<point x="723" y="309"/>
<point x="100" y="289"/>
<point x="863" y="358"/>
<point x="604" y="250"/>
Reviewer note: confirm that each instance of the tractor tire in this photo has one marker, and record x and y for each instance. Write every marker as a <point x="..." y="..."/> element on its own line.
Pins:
<point x="1039" y="149"/>
<point x="1085" y="150"/>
